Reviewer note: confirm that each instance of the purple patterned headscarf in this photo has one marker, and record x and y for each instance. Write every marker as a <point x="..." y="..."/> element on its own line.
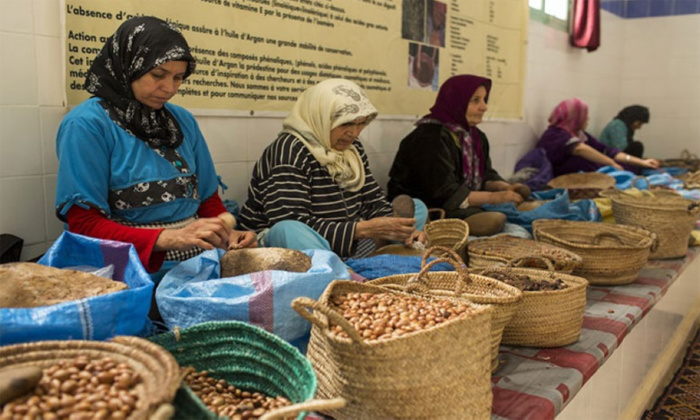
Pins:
<point x="451" y="109"/>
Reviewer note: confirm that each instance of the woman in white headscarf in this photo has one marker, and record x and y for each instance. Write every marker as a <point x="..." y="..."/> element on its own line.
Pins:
<point x="312" y="187"/>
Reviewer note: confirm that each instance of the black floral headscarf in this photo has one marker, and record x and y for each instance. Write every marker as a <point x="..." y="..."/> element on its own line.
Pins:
<point x="139" y="45"/>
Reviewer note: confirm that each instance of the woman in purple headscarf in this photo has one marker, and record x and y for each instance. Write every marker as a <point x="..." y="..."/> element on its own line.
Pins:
<point x="570" y="149"/>
<point x="445" y="160"/>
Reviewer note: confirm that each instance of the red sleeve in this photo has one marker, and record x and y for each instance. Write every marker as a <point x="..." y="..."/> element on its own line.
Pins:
<point x="211" y="207"/>
<point x="92" y="223"/>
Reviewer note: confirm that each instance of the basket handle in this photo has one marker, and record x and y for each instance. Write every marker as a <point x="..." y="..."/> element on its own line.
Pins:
<point x="449" y="256"/>
<point x="654" y="242"/>
<point x="311" y="405"/>
<point x="440" y="212"/>
<point x="686" y="155"/>
<point x="520" y="261"/>
<point x="692" y="205"/>
<point x="302" y="305"/>
<point x="634" y="181"/>
<point x="601" y="235"/>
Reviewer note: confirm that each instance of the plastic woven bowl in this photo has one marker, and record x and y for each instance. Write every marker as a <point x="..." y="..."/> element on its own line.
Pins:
<point x="246" y="356"/>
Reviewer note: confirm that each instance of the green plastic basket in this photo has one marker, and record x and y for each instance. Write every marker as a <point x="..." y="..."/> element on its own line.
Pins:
<point x="244" y="355"/>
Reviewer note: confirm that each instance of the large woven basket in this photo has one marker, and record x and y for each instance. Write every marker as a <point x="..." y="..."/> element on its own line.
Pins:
<point x="550" y="318"/>
<point x="668" y="215"/>
<point x="448" y="233"/>
<point x="247" y="357"/>
<point x="440" y="373"/>
<point x="158" y="370"/>
<point x="689" y="161"/>
<point x="506" y="249"/>
<point x="460" y="284"/>
<point x="583" y="184"/>
<point x="612" y="254"/>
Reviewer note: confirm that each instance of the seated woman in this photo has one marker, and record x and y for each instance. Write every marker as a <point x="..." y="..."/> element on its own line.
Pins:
<point x="570" y="149"/>
<point x="134" y="168"/>
<point x="619" y="133"/>
<point x="445" y="160"/>
<point x="312" y="187"/>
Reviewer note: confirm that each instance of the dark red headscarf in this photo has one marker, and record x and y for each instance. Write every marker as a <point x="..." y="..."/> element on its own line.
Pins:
<point x="453" y="99"/>
<point x="451" y="109"/>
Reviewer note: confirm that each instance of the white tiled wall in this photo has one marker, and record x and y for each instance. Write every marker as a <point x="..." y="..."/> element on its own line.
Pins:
<point x="653" y="61"/>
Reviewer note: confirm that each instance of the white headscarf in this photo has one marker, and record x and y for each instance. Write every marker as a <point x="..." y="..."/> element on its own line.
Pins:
<point x="317" y="111"/>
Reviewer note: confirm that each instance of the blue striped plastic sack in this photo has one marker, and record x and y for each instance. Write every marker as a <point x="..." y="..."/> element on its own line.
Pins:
<point x="94" y="318"/>
<point x="193" y="292"/>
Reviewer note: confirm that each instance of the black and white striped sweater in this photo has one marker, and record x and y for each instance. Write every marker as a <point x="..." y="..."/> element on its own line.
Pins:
<point x="288" y="183"/>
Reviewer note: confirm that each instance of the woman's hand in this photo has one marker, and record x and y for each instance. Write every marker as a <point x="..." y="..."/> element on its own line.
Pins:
<point x="507" y="197"/>
<point x="416" y="236"/>
<point x="521" y="189"/>
<point x="206" y="233"/>
<point x="240" y="239"/>
<point x="397" y="229"/>
<point x="650" y="163"/>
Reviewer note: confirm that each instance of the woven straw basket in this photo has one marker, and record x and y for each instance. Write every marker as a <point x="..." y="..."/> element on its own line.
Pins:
<point x="506" y="249"/>
<point x="548" y="318"/>
<point x="449" y="233"/>
<point x="689" y="161"/>
<point x="460" y="284"/>
<point x="612" y="254"/>
<point x="437" y="373"/>
<point x="583" y="184"/>
<point x="159" y="372"/>
<point x="247" y="357"/>
<point x="668" y="215"/>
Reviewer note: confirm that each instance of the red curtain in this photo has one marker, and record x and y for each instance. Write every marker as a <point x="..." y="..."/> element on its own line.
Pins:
<point x="585" y="28"/>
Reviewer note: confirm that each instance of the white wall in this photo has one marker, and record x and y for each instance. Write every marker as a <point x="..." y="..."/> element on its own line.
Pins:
<point x="659" y="58"/>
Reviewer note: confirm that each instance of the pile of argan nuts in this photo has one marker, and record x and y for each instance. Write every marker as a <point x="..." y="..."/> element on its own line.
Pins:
<point x="227" y="400"/>
<point x="525" y="283"/>
<point x="382" y="316"/>
<point x="79" y="389"/>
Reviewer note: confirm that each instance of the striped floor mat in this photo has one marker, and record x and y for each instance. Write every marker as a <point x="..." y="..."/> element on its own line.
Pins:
<point x="681" y="398"/>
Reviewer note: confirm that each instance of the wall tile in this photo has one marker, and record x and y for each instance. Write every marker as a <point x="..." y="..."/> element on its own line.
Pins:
<point x="23" y="214"/>
<point x="685" y="7"/>
<point x="236" y="178"/>
<point x="47" y="17"/>
<point x="18" y="82"/>
<point x="617" y="7"/>
<point x="263" y="131"/>
<point x="661" y="8"/>
<point x="50" y="119"/>
<point x="54" y="226"/>
<point x="20" y="141"/>
<point x="16" y="16"/>
<point x="384" y="136"/>
<point x="49" y="60"/>
<point x="31" y="251"/>
<point x="638" y="8"/>
<point x="226" y="138"/>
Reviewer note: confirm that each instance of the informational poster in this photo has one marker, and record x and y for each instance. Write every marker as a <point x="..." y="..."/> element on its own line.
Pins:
<point x="258" y="55"/>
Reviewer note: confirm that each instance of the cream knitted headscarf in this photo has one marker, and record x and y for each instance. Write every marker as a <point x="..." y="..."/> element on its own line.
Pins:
<point x="317" y="111"/>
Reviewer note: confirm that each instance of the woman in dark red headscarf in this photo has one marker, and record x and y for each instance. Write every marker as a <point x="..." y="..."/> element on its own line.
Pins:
<point x="445" y="160"/>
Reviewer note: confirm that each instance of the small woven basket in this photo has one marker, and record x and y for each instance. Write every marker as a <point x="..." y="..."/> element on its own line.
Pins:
<point x="159" y="372"/>
<point x="247" y="357"/>
<point x="506" y="249"/>
<point x="547" y="318"/>
<point x="449" y="233"/>
<point x="583" y="184"/>
<point x="440" y="372"/>
<point x="460" y="284"/>
<point x="667" y="214"/>
<point x="612" y="254"/>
